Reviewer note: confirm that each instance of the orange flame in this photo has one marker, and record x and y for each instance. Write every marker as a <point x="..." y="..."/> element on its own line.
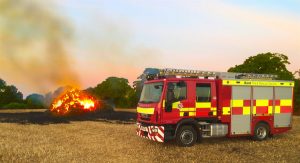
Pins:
<point x="73" y="100"/>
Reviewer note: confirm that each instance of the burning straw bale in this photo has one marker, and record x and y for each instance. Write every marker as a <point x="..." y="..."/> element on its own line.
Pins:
<point x="74" y="100"/>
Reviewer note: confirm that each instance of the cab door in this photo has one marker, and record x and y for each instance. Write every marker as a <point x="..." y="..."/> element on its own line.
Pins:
<point x="178" y="103"/>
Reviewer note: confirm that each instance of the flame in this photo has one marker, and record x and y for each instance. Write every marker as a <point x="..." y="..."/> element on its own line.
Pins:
<point x="73" y="99"/>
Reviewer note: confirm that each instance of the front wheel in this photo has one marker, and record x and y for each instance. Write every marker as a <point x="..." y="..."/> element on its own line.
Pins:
<point x="261" y="132"/>
<point x="186" y="136"/>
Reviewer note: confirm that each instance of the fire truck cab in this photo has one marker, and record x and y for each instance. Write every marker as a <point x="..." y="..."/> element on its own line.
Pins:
<point x="187" y="105"/>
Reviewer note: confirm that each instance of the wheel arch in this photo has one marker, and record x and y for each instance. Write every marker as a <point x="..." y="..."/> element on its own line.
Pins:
<point x="263" y="122"/>
<point x="191" y="122"/>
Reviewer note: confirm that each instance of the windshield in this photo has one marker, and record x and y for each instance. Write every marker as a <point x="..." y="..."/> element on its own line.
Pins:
<point x="151" y="92"/>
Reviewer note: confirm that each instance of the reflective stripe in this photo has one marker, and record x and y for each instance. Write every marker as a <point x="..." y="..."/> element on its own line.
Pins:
<point x="237" y="103"/>
<point x="145" y="110"/>
<point x="213" y="109"/>
<point x="283" y="106"/>
<point x="263" y="106"/>
<point x="262" y="102"/>
<point x="277" y="109"/>
<point x="237" y="111"/>
<point x="187" y="109"/>
<point x="226" y="110"/>
<point x="214" y="113"/>
<point x="270" y="109"/>
<point x="203" y="105"/>
<point x="285" y="109"/>
<point x="246" y="110"/>
<point x="164" y="103"/>
<point x="285" y="102"/>
<point x="175" y="105"/>
<point x="259" y="83"/>
<point x="181" y="114"/>
<point x="157" y="136"/>
<point x="192" y="113"/>
<point x="189" y="114"/>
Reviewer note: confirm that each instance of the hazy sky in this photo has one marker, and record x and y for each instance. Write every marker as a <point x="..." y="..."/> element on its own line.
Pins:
<point x="199" y="34"/>
<point x="122" y="37"/>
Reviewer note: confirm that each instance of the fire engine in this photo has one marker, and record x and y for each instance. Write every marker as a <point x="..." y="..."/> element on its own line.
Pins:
<point x="188" y="105"/>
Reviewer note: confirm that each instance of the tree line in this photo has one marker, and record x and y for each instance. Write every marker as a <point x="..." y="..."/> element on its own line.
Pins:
<point x="119" y="93"/>
<point x="11" y="97"/>
<point x="114" y="91"/>
<point x="271" y="63"/>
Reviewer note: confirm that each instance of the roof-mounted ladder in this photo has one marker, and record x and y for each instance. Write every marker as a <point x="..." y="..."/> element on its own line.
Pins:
<point x="211" y="74"/>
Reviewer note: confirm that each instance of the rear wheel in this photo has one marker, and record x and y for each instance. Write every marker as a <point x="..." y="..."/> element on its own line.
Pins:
<point x="261" y="132"/>
<point x="186" y="136"/>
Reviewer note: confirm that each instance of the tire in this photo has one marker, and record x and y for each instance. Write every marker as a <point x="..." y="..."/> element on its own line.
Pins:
<point x="261" y="132"/>
<point x="186" y="136"/>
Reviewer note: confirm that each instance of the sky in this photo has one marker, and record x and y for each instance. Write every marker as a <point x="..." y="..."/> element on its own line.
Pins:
<point x="123" y="37"/>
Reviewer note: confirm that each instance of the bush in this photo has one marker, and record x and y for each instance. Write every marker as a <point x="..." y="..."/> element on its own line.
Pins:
<point x="35" y="101"/>
<point x="15" y="106"/>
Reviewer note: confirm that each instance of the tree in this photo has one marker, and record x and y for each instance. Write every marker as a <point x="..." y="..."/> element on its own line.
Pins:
<point x="138" y="87"/>
<point x="266" y="63"/>
<point x="117" y="91"/>
<point x="9" y="94"/>
<point x="297" y="96"/>
<point x="270" y="63"/>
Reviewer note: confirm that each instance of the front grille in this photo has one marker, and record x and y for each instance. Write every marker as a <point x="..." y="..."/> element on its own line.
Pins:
<point x="145" y="124"/>
<point x="145" y="117"/>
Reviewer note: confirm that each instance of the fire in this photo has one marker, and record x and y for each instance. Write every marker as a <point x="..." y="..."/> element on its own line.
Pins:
<point x="73" y="100"/>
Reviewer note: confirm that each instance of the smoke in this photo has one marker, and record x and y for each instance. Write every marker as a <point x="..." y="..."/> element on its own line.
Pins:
<point x="110" y="47"/>
<point x="33" y="44"/>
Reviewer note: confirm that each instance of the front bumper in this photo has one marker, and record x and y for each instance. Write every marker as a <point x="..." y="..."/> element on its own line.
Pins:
<point x="155" y="133"/>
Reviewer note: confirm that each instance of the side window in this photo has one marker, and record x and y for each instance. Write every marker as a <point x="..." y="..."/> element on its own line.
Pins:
<point x="203" y="92"/>
<point x="178" y="91"/>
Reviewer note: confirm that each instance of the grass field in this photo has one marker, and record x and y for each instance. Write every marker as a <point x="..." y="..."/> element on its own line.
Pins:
<point x="26" y="138"/>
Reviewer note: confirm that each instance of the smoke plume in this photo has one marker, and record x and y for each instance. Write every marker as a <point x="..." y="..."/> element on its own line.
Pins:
<point x="33" y="46"/>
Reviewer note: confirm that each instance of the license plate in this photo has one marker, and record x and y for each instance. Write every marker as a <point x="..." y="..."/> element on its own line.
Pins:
<point x="144" y="128"/>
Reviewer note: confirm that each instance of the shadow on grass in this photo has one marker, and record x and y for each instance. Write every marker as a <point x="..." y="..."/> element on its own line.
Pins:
<point x="45" y="117"/>
<point x="232" y="143"/>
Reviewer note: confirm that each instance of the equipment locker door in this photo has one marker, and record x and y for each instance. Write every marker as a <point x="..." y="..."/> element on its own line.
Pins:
<point x="240" y="110"/>
<point x="283" y="106"/>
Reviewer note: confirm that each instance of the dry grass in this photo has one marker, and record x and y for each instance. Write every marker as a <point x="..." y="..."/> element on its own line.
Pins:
<point x="92" y="141"/>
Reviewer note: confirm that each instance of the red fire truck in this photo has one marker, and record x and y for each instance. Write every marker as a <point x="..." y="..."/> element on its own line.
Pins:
<point x="187" y="105"/>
